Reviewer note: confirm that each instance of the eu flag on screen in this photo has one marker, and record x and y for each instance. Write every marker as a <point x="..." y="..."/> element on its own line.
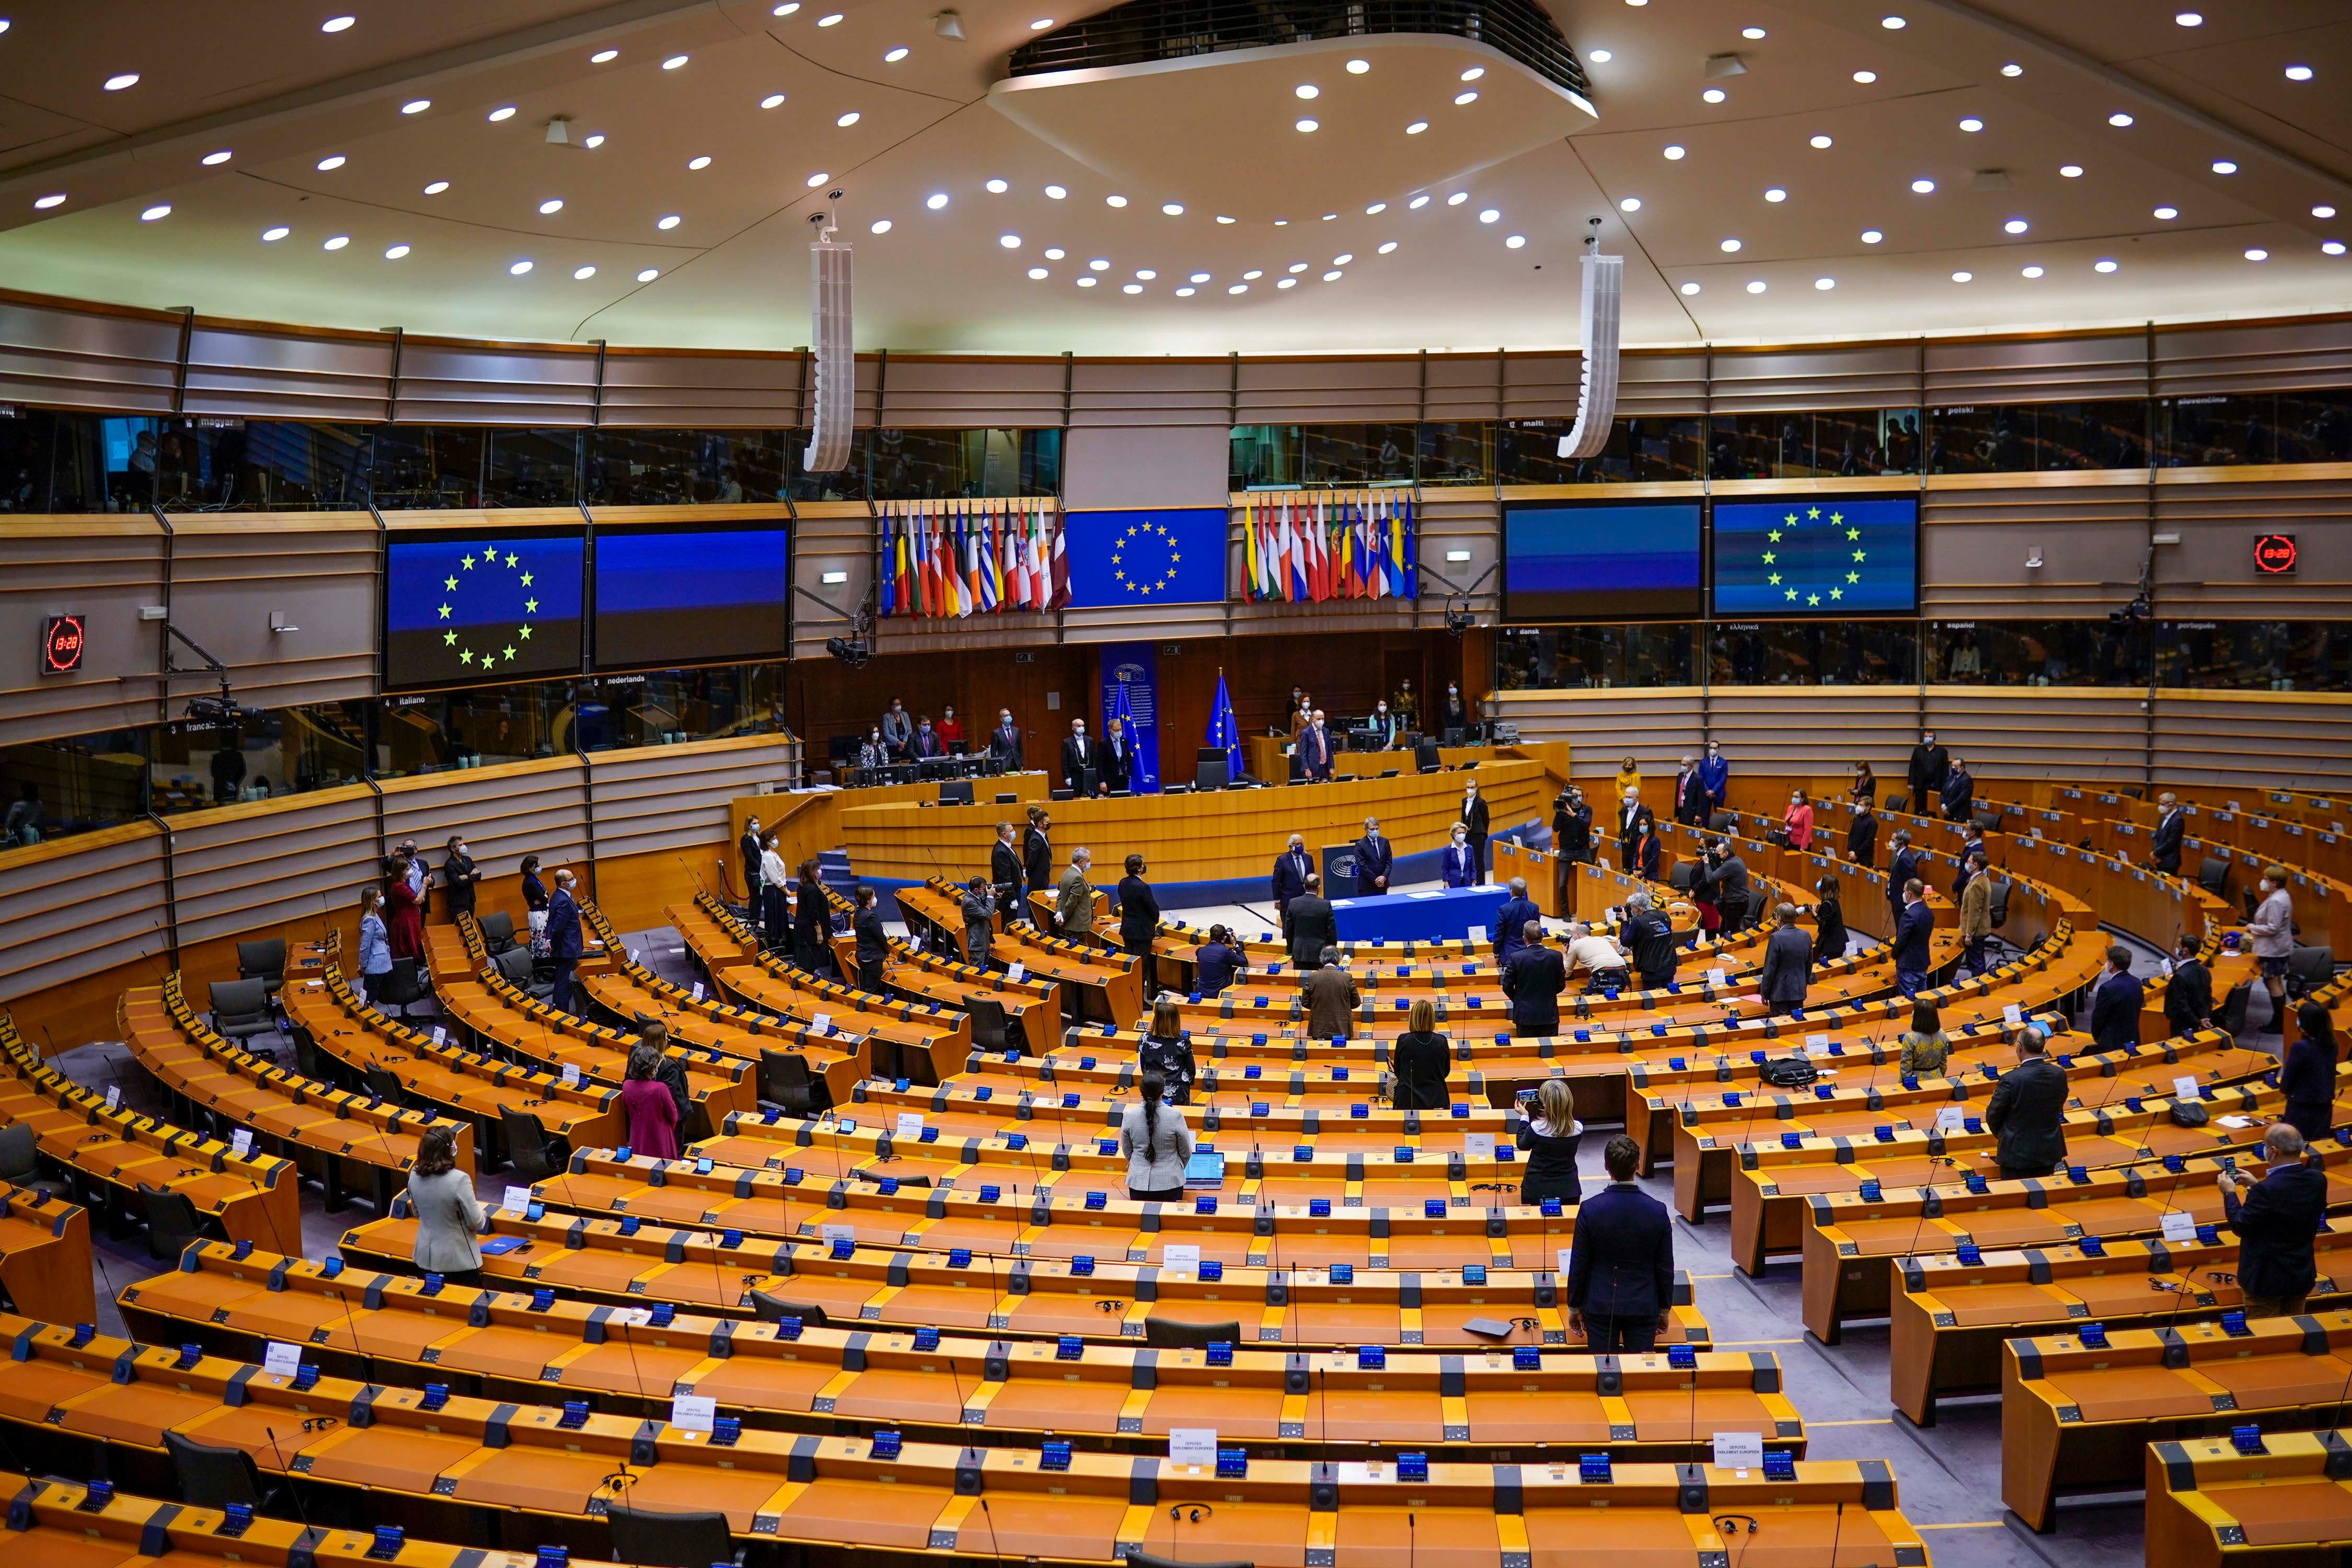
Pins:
<point x="464" y="606"/>
<point x="1817" y="555"/>
<point x="1164" y="556"/>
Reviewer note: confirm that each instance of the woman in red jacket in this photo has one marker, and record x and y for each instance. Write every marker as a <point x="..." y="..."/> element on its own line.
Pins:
<point x="404" y="916"/>
<point x="1799" y="822"/>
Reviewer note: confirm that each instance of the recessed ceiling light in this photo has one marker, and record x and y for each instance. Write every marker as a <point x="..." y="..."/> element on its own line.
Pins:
<point x="437" y="188"/>
<point x="1287" y="283"/>
<point x="1238" y="288"/>
<point x="772" y="99"/>
<point x="504" y="111"/>
<point x="1054" y="253"/>
<point x="2299" y="73"/>
<point x="2322" y="211"/>
<point x="1114" y="201"/>
<point x="1010" y="241"/>
<point x="1416" y="203"/>
<point x="1751" y="32"/>
<point x="1186" y="293"/>
<point x="2032" y="272"/>
<point x="2070" y="171"/>
<point x="1130" y="288"/>
<point x="1713" y="95"/>
<point x="702" y="161"/>
<point x="2258" y="254"/>
<point x="1674" y="153"/>
<point x="331" y="162"/>
<point x="879" y="226"/>
<point x="337" y="242"/>
<point x="2168" y="213"/>
<point x="847" y="121"/>
<point x="272" y="236"/>
<point x="215" y="159"/>
<point x="786" y="9"/>
<point x="936" y="200"/>
<point x="1039" y="274"/>
<point x="603" y="57"/>
<point x="162" y="210"/>
<point x="1515" y="241"/>
<point x="2012" y="68"/>
<point x="1600" y="56"/>
<point x="416" y="106"/>
<point x="395" y="252"/>
<point x="1866" y="78"/>
<point x="1825" y="284"/>
<point x="1776" y="194"/>
<point x="895" y="56"/>
<point x="1461" y="98"/>
<point x="55" y="199"/>
<point x="1358" y="68"/>
<point x="1307" y="89"/>
<point x="675" y="61"/>
<point x="1416" y="128"/>
<point x="2014" y="226"/>
<point x="1893" y="24"/>
<point x="1474" y="73"/>
<point x="1387" y="246"/>
<point x="668" y="222"/>
<point x="649" y="274"/>
<point x="1972" y="124"/>
<point x="2120" y="120"/>
<point x="1963" y="277"/>
<point x="1925" y="187"/>
<point x="1041" y="24"/>
<point x="1309" y="126"/>
<point x="1055" y="192"/>
<point x="1254" y="273"/>
<point x="1199" y="277"/>
<point x="1489" y="215"/>
<point x="1730" y="244"/>
<point x="1087" y="282"/>
<point x="2103" y="265"/>
<point x="1172" y="209"/>
<point x="1376" y="208"/>
<point x="1628" y="204"/>
<point x="336" y="24"/>
<point x="1344" y="258"/>
<point x="552" y="206"/>
<point x="2223" y="167"/>
<point x="996" y="187"/>
<point x="2189" y="19"/>
<point x="1871" y="237"/>
<point x="582" y="274"/>
<point x="1755" y="286"/>
<point x="2331" y="248"/>
<point x="1690" y="288"/>
<point x="1823" y="142"/>
<point x="1295" y="267"/>
<point x="519" y="268"/>
<point x="1098" y="264"/>
<point x="1146" y="273"/>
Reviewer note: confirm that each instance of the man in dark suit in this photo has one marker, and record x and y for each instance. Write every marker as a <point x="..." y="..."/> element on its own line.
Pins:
<point x="1633" y="819"/>
<point x="1139" y="917"/>
<point x="1080" y="754"/>
<point x="2276" y="1223"/>
<point x="2188" y="991"/>
<point x="1474" y="817"/>
<point x="1004" y="741"/>
<point x="1515" y="914"/>
<point x="1929" y="763"/>
<point x="1788" y="964"/>
<point x="563" y="944"/>
<point x="1903" y="866"/>
<point x="2115" y="1007"/>
<point x="1914" y="929"/>
<point x="873" y="943"/>
<point x="927" y="741"/>
<point x="1004" y="872"/>
<point x="1315" y="763"/>
<point x="1620" y="1273"/>
<point x="1957" y="792"/>
<point x="1117" y="752"/>
<point x="2171" y="828"/>
<point x="1038" y="853"/>
<point x="1312" y="926"/>
<point x="1691" y="801"/>
<point x="1862" y="834"/>
<point x="2027" y="1112"/>
<point x="1291" y="869"/>
<point x="1533" y="978"/>
<point x="1374" y="856"/>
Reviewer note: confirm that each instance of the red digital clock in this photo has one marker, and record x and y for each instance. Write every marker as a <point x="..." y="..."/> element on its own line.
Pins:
<point x="2275" y="556"/>
<point x="61" y="644"/>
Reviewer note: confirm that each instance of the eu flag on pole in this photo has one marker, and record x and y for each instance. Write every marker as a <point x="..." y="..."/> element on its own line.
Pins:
<point x="1224" y="735"/>
<point x="1817" y="555"/>
<point x="1165" y="555"/>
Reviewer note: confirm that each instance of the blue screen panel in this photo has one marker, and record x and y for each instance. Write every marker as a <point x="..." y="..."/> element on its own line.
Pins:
<point x="682" y="595"/>
<point x="1820" y="555"/>
<point x="1602" y="560"/>
<point x="481" y="604"/>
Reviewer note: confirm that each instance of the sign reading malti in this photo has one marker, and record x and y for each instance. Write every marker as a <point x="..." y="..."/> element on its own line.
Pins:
<point x="62" y="641"/>
<point x="2275" y="555"/>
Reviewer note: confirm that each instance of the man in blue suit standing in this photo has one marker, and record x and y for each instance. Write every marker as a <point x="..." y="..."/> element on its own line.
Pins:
<point x="1620" y="1272"/>
<point x="563" y="938"/>
<point x="1373" y="857"/>
<point x="2171" y="828"/>
<point x="2115" y="1007"/>
<point x="1314" y="750"/>
<point x="1903" y="866"/>
<point x="1290" y="869"/>
<point x="1511" y="921"/>
<point x="1912" y="930"/>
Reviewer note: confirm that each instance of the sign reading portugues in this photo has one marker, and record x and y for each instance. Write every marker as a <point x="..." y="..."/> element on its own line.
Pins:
<point x="1817" y="555"/>
<point x="62" y="642"/>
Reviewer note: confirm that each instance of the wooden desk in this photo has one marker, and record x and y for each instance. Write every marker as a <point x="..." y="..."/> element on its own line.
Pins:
<point x="2208" y="1504"/>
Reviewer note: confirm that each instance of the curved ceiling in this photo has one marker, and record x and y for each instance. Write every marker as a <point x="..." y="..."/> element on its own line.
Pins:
<point x="2091" y="163"/>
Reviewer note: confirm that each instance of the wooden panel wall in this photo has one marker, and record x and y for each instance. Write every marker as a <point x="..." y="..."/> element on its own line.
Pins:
<point x="1654" y="726"/>
<point x="259" y="864"/>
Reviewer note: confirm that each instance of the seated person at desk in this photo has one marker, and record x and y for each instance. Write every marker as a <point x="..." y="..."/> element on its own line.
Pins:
<point x="2276" y="1223"/>
<point x="1080" y="754"/>
<point x="1533" y="980"/>
<point x="1167" y="1050"/>
<point x="1420" y="1059"/>
<point x="1118" y="754"/>
<point x="927" y="741"/>
<point x="1215" y="962"/>
<point x="1460" y="866"/>
<point x="1375" y="856"/>
<point x="897" y="729"/>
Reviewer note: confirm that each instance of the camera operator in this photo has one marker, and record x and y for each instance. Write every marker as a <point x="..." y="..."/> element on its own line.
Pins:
<point x="1572" y="844"/>
<point x="1722" y="871"/>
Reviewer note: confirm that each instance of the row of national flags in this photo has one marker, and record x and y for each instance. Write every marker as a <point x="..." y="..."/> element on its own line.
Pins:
<point x="973" y="557"/>
<point x="1305" y="550"/>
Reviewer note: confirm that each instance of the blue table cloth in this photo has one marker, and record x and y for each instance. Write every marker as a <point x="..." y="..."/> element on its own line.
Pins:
<point x="1441" y="915"/>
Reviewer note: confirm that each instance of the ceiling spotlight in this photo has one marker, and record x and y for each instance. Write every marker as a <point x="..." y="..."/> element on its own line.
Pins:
<point x="519" y="268"/>
<point x="1825" y="284"/>
<point x="1489" y="215"/>
<point x="786" y="9"/>
<point x="649" y="274"/>
<point x="847" y="121"/>
<point x="1387" y="246"/>
<point x="996" y="187"/>
<point x="2012" y="68"/>
<point x="1054" y="253"/>
<point x="1515" y="241"/>
<point x="879" y="226"/>
<point x="1376" y="208"/>
<point x="1866" y="78"/>
<point x="1186" y="293"/>
<point x="1416" y="128"/>
<point x="1713" y="95"/>
<point x="1925" y="187"/>
<point x="1893" y="24"/>
<point x="675" y="61"/>
<point x="1730" y="244"/>
<point x="1287" y="283"/>
<point x="1307" y="89"/>
<point x="820" y="177"/>
<point x="2032" y="272"/>
<point x="214" y="160"/>
<point x="2014" y="226"/>
<point x="1674" y="155"/>
<point x="2331" y="248"/>
<point x="1690" y="288"/>
<point x="503" y="112"/>
<point x="1238" y="288"/>
<point x="1114" y="201"/>
<point x="2120" y="120"/>
<point x="1146" y="273"/>
<point x="1776" y="194"/>
<point x="2299" y="73"/>
<point x="1630" y="205"/>
<point x="772" y="99"/>
<point x="592" y="142"/>
<point x="1461" y="98"/>
<point x="582" y="274"/>
<point x="1055" y="192"/>
<point x="1972" y="124"/>
<point x="2258" y="254"/>
<point x="895" y="56"/>
<point x="603" y="57"/>
<point x="331" y="162"/>
<point x="1253" y="274"/>
<point x="1039" y="274"/>
<point x="55" y="199"/>
<point x="337" y="243"/>
<point x="1416" y="203"/>
<point x="153" y="213"/>
<point x="1871" y="237"/>
<point x="272" y="236"/>
<point x="1344" y="258"/>
<point x="1041" y="24"/>
<point x="2070" y="171"/>
<point x="698" y="163"/>
<point x="1130" y="288"/>
<point x="1755" y="286"/>
<point x="1751" y="33"/>
<point x="1101" y="265"/>
<point x="936" y="200"/>
<point x="1358" y="68"/>
<point x="398" y="251"/>
<point x="2322" y="211"/>
<point x="1963" y="277"/>
<point x="1600" y="56"/>
<point x="552" y="206"/>
<point x="336" y="24"/>
<point x="2168" y="213"/>
<point x="1823" y="142"/>
<point x="1474" y="73"/>
<point x="1087" y="282"/>
<point x="2188" y="19"/>
<point x="1010" y="241"/>
<point x="2103" y="265"/>
<point x="1172" y="209"/>
<point x="437" y="188"/>
<point x="669" y="222"/>
<point x="416" y="106"/>
<point x="1309" y="126"/>
<point x="2223" y="167"/>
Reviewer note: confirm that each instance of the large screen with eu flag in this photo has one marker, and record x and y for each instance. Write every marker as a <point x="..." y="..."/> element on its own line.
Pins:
<point x="1817" y="555"/>
<point x="483" y="604"/>
<point x="1601" y="561"/>
<point x="1164" y="555"/>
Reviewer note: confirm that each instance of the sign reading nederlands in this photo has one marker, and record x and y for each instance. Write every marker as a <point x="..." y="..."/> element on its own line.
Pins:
<point x="2275" y="556"/>
<point x="61" y="644"/>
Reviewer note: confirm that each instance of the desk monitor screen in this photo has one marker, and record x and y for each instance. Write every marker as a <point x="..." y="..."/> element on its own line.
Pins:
<point x="667" y="594"/>
<point x="1601" y="561"/>
<point x="481" y="604"/>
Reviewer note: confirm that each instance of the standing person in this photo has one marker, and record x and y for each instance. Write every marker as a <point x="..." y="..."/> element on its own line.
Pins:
<point x="2115" y="1007"/>
<point x="404" y="916"/>
<point x="1864" y="790"/>
<point x="1139" y="919"/>
<point x="1716" y="775"/>
<point x="1515" y="915"/>
<point x="1649" y="936"/>
<point x="1862" y="834"/>
<point x="1797" y="822"/>
<point x="1314" y="749"/>
<point x="1633" y="819"/>
<point x="2027" y="1112"/>
<point x="374" y="944"/>
<point x="563" y="938"/>
<point x="1629" y="776"/>
<point x="1005" y="874"/>
<point x="1829" y="922"/>
<point x="651" y="1114"/>
<point x="1421" y="1060"/>
<point x="1976" y="914"/>
<point x="23" y="821"/>
<point x="926" y="741"/>
<point x="873" y="756"/>
<point x="1313" y="927"/>
<point x="2276" y="1223"/>
<point x="1571" y="845"/>
<point x="652" y="1035"/>
<point x="747" y="847"/>
<point x="1549" y="1134"/>
<point x="811" y="921"/>
<point x="1157" y="1145"/>
<point x="775" y="877"/>
<point x="1902" y="866"/>
<point x="897" y="730"/>
<point x="1036" y="857"/>
<point x="2188" y="990"/>
<point x="951" y="730"/>
<point x="1474" y="819"/>
<point x="458" y="877"/>
<point x="1929" y="764"/>
<point x="1004" y="741"/>
<point x="1646" y="855"/>
<point x="1454" y="715"/>
<point x="873" y="943"/>
<point x="1460" y="868"/>
<point x="1723" y="875"/>
<point x="1373" y="860"/>
<point x="534" y="899"/>
<point x="1788" y="964"/>
<point x="1117" y="752"/>
<point x="1926" y="1049"/>
<point x="1215" y="962"/>
<point x="1167" y="1050"/>
<point x="979" y="920"/>
<point x="1959" y="792"/>
<point x="1914" y="929"/>
<point x="1383" y="727"/>
<point x="1074" y="901"/>
<point x="2171" y="828"/>
<point x="1079" y="758"/>
<point x="1620" y="1275"/>
<point x="1533" y="980"/>
<point x="2307" y="1076"/>
<point x="448" y="1218"/>
<point x="420" y="880"/>
<point x="1331" y="998"/>
<point x="1690" y="794"/>
<point x="1291" y="869"/>
<point x="2273" y="929"/>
